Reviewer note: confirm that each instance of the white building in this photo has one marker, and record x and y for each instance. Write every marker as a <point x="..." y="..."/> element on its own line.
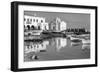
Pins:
<point x="57" y="25"/>
<point x="36" y="23"/>
<point x="63" y="26"/>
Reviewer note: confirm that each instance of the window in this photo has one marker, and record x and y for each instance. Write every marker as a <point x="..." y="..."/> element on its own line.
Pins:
<point x="37" y="20"/>
<point x="28" y="27"/>
<point x="24" y="19"/>
<point x="39" y="28"/>
<point x="54" y="28"/>
<point x="32" y="27"/>
<point x="41" y="21"/>
<point x="33" y="20"/>
<point x="27" y="20"/>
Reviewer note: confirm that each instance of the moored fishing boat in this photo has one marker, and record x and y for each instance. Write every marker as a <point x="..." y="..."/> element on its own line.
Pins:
<point x="85" y="41"/>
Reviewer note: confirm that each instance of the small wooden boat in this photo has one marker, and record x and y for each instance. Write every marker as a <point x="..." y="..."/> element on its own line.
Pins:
<point x="86" y="46"/>
<point x="75" y="43"/>
<point x="85" y="41"/>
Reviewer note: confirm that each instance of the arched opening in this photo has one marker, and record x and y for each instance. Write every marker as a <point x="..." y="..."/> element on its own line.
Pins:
<point x="28" y="26"/>
<point x="32" y="27"/>
<point x="39" y="27"/>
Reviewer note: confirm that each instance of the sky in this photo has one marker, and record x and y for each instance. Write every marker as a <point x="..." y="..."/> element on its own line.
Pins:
<point x="73" y="20"/>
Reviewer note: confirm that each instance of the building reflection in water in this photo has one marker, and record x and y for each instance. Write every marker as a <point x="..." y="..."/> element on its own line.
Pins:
<point x="44" y="49"/>
<point x="32" y="48"/>
<point x="60" y="43"/>
<point x="35" y="46"/>
<point x="40" y="46"/>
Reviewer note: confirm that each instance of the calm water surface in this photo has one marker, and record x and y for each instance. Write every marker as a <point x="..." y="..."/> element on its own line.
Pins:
<point x="55" y="49"/>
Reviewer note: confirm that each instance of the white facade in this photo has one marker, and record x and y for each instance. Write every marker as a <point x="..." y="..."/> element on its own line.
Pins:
<point x="58" y="25"/>
<point x="63" y="26"/>
<point x="35" y="22"/>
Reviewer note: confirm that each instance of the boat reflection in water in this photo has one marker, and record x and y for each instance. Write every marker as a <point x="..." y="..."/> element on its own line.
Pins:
<point x="58" y="48"/>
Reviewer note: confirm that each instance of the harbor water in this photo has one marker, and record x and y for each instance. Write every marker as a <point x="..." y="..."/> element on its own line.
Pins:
<point x="57" y="48"/>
